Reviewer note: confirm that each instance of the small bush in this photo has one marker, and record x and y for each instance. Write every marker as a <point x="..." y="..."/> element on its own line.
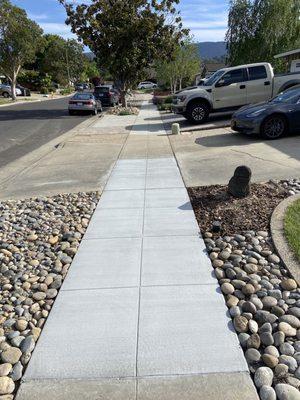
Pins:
<point x="44" y="90"/>
<point x="169" y="100"/>
<point x="66" y="91"/>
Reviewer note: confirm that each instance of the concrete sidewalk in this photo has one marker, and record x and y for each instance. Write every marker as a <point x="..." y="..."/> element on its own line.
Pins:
<point x="140" y="314"/>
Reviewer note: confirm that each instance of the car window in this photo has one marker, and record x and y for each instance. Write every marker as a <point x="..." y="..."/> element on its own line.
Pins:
<point x="258" y="72"/>
<point x="83" y="96"/>
<point x="234" y="76"/>
<point x="213" y="78"/>
<point x="102" y="89"/>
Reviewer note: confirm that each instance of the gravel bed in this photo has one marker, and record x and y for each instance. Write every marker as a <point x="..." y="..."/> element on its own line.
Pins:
<point x="292" y="185"/>
<point x="262" y="298"/>
<point x="38" y="240"/>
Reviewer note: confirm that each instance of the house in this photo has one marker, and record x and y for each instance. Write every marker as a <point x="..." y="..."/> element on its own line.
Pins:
<point x="292" y="60"/>
<point x="207" y="69"/>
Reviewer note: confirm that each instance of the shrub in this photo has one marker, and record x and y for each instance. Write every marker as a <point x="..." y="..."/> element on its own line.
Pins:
<point x="169" y="100"/>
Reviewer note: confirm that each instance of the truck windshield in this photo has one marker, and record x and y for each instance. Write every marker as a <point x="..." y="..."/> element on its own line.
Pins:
<point x="213" y="79"/>
<point x="291" y="97"/>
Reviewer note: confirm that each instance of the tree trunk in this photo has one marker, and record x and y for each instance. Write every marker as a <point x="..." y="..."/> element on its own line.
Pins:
<point x="124" y="98"/>
<point x="180" y="83"/>
<point x="13" y="84"/>
<point x="123" y="95"/>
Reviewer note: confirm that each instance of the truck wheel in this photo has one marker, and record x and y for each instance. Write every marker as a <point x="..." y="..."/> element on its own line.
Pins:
<point x="5" y="94"/>
<point x="274" y="127"/>
<point x="197" y="113"/>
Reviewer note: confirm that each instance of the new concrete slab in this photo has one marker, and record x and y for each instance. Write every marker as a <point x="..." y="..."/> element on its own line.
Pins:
<point x="169" y="222"/>
<point x="126" y="199"/>
<point x="175" y="332"/>
<point x="90" y="334"/>
<point x="118" y="222"/>
<point x="176" y="260"/>
<point x="167" y="198"/>
<point x="104" y="263"/>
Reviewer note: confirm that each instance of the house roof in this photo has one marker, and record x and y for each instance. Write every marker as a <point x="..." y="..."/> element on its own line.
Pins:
<point x="288" y="53"/>
<point x="212" y="67"/>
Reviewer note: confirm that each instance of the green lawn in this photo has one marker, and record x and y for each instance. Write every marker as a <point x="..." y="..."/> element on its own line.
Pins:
<point x="5" y="101"/>
<point x="292" y="227"/>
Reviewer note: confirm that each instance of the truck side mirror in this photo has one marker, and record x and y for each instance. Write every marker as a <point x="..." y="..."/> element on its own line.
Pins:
<point x="221" y="83"/>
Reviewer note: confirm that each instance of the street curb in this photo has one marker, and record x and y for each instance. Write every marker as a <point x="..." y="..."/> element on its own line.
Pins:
<point x="33" y="101"/>
<point x="281" y="245"/>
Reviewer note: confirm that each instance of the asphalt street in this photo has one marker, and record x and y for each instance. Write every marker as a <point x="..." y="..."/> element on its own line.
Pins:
<point x="26" y="127"/>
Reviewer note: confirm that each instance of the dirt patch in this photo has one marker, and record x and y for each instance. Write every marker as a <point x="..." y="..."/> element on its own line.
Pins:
<point x="213" y="203"/>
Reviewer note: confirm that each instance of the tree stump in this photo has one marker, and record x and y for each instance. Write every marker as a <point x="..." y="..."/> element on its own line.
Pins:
<point x="239" y="184"/>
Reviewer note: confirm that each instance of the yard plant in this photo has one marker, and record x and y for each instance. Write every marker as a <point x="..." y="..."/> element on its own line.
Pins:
<point x="292" y="227"/>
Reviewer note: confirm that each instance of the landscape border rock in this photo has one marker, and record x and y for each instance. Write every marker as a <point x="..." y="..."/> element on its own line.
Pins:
<point x="280" y="243"/>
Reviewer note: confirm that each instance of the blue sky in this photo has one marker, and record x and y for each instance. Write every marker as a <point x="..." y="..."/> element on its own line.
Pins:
<point x="207" y="19"/>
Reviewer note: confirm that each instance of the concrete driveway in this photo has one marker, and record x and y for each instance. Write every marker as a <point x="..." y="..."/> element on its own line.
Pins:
<point x="216" y="120"/>
<point x="210" y="157"/>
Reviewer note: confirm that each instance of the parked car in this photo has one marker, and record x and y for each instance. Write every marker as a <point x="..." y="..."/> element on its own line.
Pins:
<point x="84" y="102"/>
<point x="82" y="86"/>
<point x="108" y="95"/>
<point x="24" y="91"/>
<point x="271" y="119"/>
<point x="5" y="91"/>
<point x="231" y="88"/>
<point x="147" y="85"/>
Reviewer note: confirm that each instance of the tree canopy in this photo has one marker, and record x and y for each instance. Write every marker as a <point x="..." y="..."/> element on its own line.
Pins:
<point x="180" y="70"/>
<point x="127" y="36"/>
<point x="20" y="39"/>
<point x="259" y="29"/>
<point x="63" y="59"/>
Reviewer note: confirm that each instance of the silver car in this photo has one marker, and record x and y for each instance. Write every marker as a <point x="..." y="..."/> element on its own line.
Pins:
<point x="84" y="102"/>
<point x="5" y="91"/>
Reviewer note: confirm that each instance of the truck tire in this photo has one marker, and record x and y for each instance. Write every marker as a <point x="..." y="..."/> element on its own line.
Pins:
<point x="197" y="112"/>
<point x="274" y="127"/>
<point x="6" y="95"/>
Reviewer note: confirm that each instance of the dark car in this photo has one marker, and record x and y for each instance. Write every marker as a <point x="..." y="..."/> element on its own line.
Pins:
<point x="25" y="92"/>
<point x="272" y="119"/>
<point x="108" y="95"/>
<point x="84" y="102"/>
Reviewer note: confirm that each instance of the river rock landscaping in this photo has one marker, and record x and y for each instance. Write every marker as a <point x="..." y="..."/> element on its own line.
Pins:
<point x="38" y="240"/>
<point x="262" y="297"/>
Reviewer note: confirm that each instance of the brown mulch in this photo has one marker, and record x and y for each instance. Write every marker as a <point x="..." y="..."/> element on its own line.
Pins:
<point x="213" y="203"/>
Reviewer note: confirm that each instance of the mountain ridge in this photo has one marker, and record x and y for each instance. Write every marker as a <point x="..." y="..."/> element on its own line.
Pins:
<point x="207" y="51"/>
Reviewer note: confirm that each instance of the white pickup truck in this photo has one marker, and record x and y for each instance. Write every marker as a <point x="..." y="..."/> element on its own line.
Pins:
<point x="231" y="88"/>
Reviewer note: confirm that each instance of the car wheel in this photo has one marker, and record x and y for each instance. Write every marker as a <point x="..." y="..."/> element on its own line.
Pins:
<point x="5" y="94"/>
<point x="274" y="127"/>
<point x="197" y="113"/>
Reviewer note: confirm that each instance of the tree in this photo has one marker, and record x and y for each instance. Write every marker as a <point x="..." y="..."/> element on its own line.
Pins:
<point x="63" y="59"/>
<point x="259" y="29"/>
<point x="20" y="39"/>
<point x="127" y="36"/>
<point x="182" y="68"/>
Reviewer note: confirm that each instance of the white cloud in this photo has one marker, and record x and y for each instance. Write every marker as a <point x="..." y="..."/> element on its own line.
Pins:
<point x="38" y="17"/>
<point x="57" y="29"/>
<point x="209" y="35"/>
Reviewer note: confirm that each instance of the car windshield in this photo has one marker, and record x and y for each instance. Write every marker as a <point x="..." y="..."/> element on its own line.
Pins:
<point x="82" y="96"/>
<point x="291" y="97"/>
<point x="213" y="79"/>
